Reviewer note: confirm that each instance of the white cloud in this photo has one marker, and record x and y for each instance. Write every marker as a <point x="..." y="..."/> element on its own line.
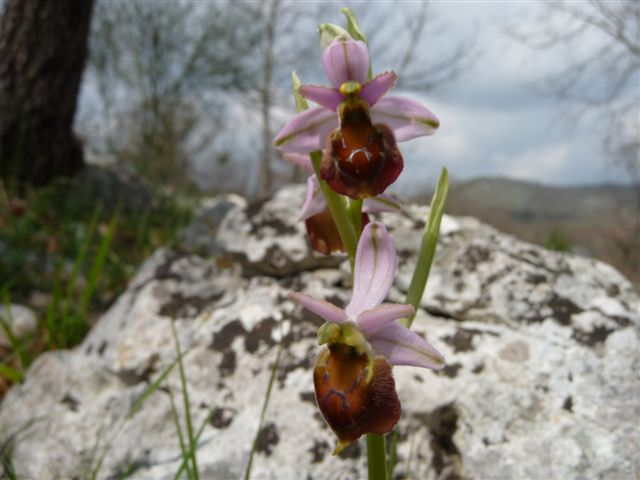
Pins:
<point x="543" y="164"/>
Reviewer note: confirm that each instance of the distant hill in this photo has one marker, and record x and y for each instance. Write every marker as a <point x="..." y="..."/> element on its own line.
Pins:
<point x="527" y="202"/>
<point x="600" y="220"/>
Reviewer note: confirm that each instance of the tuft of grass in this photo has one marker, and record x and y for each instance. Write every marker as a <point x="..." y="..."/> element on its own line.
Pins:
<point x="95" y="464"/>
<point x="68" y="256"/>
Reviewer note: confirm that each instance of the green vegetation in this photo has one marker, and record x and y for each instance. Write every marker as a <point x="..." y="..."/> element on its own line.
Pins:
<point x="67" y="251"/>
<point x="558" y="241"/>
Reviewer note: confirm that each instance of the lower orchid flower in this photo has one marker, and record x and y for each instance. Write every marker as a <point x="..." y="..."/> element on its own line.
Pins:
<point x="354" y="386"/>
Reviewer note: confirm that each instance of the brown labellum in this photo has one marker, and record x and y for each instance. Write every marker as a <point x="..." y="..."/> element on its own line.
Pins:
<point x="354" y="400"/>
<point x="361" y="159"/>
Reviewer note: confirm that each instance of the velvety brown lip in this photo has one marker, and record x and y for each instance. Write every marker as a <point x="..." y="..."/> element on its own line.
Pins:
<point x="350" y="405"/>
<point x="361" y="159"/>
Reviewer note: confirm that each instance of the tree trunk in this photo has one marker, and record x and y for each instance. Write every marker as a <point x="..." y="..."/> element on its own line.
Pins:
<point x="43" y="48"/>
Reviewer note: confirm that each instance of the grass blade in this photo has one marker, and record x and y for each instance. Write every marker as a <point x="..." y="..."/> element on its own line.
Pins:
<point x="186" y="454"/>
<point x="150" y="389"/>
<point x="185" y="460"/>
<point x="16" y="343"/>
<point x="187" y="409"/>
<point x="11" y="373"/>
<point x="96" y="270"/>
<point x="54" y="334"/>
<point x="77" y="263"/>
<point x="135" y="408"/>
<point x="247" y="472"/>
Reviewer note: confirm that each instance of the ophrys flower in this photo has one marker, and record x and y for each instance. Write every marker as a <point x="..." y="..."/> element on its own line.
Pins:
<point x="355" y="124"/>
<point x="354" y="386"/>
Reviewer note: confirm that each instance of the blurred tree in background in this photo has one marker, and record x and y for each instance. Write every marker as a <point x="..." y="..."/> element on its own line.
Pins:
<point x="159" y="69"/>
<point x="194" y="91"/>
<point x="599" y="82"/>
<point x="406" y="45"/>
<point x="43" y="47"/>
<point x="177" y="80"/>
<point x="599" y="78"/>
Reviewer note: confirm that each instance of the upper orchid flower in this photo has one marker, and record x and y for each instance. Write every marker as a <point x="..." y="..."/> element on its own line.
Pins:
<point x="356" y="126"/>
<point x="354" y="386"/>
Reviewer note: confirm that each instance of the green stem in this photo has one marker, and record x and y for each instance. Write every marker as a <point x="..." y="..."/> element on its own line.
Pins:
<point x="376" y="457"/>
<point x="338" y="209"/>
<point x="356" y="216"/>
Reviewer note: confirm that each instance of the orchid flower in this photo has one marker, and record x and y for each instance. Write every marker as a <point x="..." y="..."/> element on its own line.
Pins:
<point x="354" y="124"/>
<point x="354" y="386"/>
<point x="321" y="228"/>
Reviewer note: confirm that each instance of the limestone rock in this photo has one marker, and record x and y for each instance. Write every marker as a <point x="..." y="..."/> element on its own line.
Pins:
<point x="542" y="376"/>
<point x="199" y="236"/>
<point x="267" y="237"/>
<point x="20" y="319"/>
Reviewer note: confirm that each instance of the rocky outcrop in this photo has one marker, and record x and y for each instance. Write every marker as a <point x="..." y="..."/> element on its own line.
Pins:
<point x="541" y="381"/>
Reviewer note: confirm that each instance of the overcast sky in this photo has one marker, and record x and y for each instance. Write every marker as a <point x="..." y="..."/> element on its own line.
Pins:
<point x="494" y="121"/>
<point x="495" y="118"/>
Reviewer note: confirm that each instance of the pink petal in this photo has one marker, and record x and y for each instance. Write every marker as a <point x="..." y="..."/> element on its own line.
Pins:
<point x="307" y="131"/>
<point x="385" y="202"/>
<point x="372" y="320"/>
<point x="301" y="160"/>
<point x="402" y="346"/>
<point x="344" y="60"/>
<point x="325" y="96"/>
<point x="377" y="87"/>
<point x="407" y="118"/>
<point x="314" y="201"/>
<point x="374" y="270"/>
<point x="324" y="309"/>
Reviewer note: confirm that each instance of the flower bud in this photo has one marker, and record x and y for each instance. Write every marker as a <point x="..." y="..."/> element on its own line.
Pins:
<point x="323" y="233"/>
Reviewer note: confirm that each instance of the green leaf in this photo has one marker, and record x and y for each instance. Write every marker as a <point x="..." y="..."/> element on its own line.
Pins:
<point x="11" y="373"/>
<point x="428" y="246"/>
<point x="301" y="102"/>
<point x="329" y="32"/>
<point x="352" y="26"/>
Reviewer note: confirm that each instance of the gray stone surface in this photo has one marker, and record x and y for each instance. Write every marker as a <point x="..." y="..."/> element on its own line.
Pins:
<point x="21" y="321"/>
<point x="542" y="377"/>
<point x="199" y="236"/>
<point x="267" y="237"/>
